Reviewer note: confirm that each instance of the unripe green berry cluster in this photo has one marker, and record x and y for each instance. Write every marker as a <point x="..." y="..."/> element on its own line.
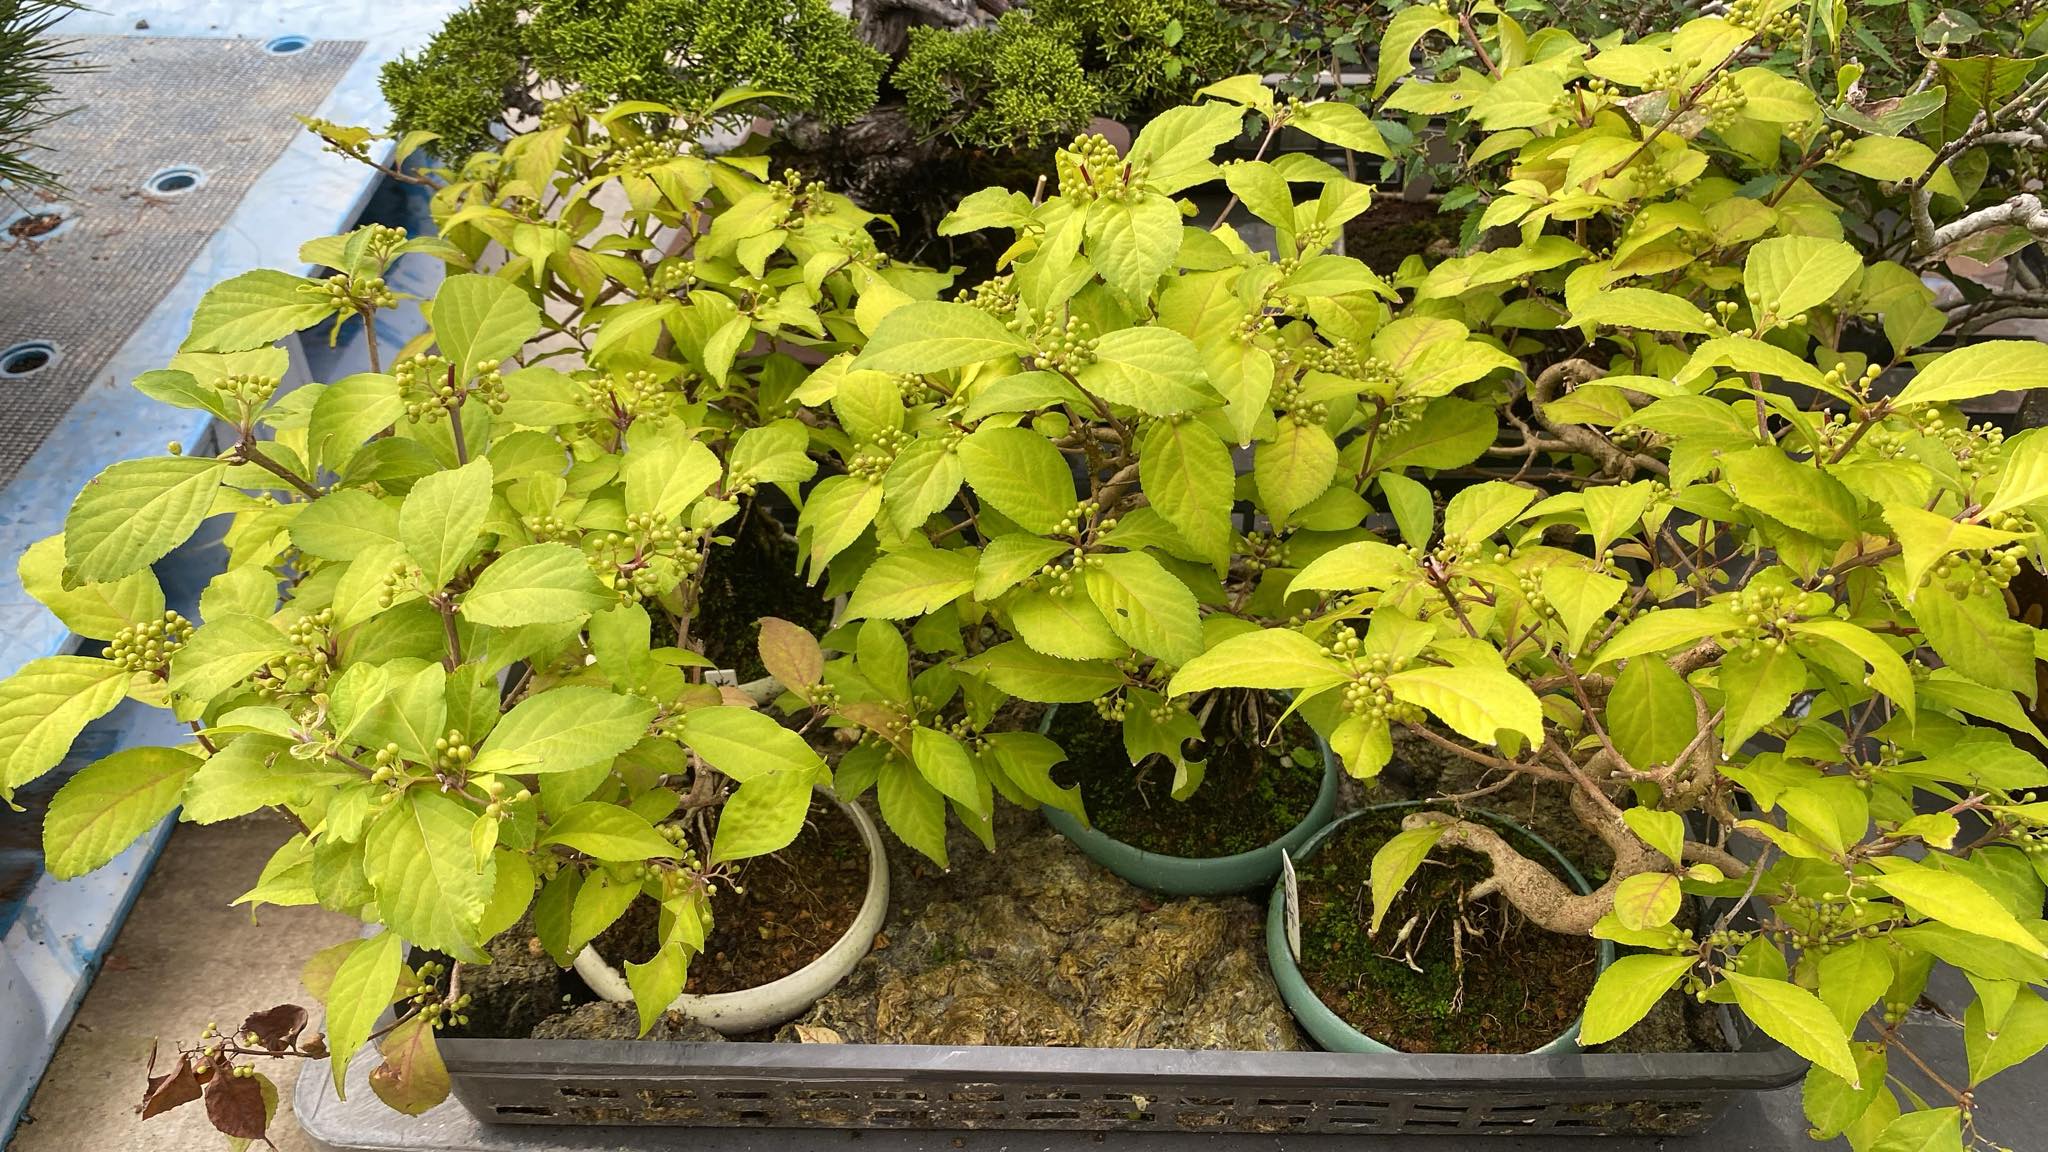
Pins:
<point x="148" y="647"/>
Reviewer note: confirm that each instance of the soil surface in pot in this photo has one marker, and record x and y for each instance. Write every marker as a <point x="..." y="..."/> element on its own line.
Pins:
<point x="1441" y="975"/>
<point x="788" y="909"/>
<point x="1394" y="229"/>
<point x="1251" y="795"/>
<point x="754" y="576"/>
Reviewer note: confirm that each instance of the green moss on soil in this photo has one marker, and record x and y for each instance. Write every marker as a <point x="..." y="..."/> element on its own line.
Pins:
<point x="1250" y="797"/>
<point x="1518" y="988"/>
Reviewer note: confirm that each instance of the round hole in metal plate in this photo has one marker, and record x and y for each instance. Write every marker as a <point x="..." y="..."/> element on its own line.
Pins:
<point x="288" y="45"/>
<point x="26" y="358"/>
<point x="175" y="180"/>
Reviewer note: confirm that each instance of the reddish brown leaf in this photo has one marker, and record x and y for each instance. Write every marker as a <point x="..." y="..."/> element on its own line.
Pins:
<point x="791" y="655"/>
<point x="274" y="1029"/>
<point x="314" y="1045"/>
<point x="236" y="1107"/>
<point x="165" y="1092"/>
<point x="412" y="1078"/>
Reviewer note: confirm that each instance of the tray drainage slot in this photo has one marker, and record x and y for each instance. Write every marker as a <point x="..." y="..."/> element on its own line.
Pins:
<point x="288" y="45"/>
<point x="523" y="1110"/>
<point x="590" y="1093"/>
<point x="26" y="359"/>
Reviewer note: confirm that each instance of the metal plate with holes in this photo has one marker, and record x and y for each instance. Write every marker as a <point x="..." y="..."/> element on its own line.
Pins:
<point x="164" y="140"/>
<point x="916" y="1087"/>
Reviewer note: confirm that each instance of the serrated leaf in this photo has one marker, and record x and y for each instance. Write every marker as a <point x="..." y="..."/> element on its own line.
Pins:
<point x="1155" y="370"/>
<point x="1798" y="495"/>
<point x="1646" y="900"/>
<point x="1797" y="1019"/>
<point x="481" y="318"/>
<point x="1953" y="899"/>
<point x="1978" y="369"/>
<point x="96" y="611"/>
<point x="1293" y="468"/>
<point x="1626" y="992"/>
<point x="658" y="982"/>
<point x="223" y="652"/>
<point x="1650" y="714"/>
<point x="132" y="514"/>
<point x="913" y="582"/>
<point x="1021" y="474"/>
<point x="1394" y="863"/>
<point x="1014" y="668"/>
<point x="537" y="584"/>
<point x="1270" y="658"/>
<point x="1146" y="605"/>
<point x="744" y="744"/>
<point x="442" y="518"/>
<point x="46" y="705"/>
<point x="665" y="471"/>
<point x="1759" y="682"/>
<point x="109" y="804"/>
<point x="1187" y="474"/>
<point x="361" y="989"/>
<point x="608" y="832"/>
<point x="570" y="727"/>
<point x="1477" y="702"/>
<point x="253" y="309"/>
<point x="1664" y="831"/>
<point x="429" y="890"/>
<point x="1785" y="276"/>
<point x="762" y="816"/>
<point x="932" y="336"/>
<point x="913" y="809"/>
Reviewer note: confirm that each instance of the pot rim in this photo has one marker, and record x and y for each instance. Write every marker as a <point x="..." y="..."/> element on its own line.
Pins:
<point x="1326" y="794"/>
<point x="1281" y="958"/>
<point x="605" y="979"/>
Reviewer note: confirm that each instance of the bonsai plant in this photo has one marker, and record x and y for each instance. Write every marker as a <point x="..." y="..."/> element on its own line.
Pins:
<point x="1046" y="464"/>
<point x="454" y="643"/>
<point x="1755" y="609"/>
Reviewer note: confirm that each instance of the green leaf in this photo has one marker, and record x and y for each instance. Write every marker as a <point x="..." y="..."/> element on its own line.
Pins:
<point x="1888" y="671"/>
<point x="1797" y="1019"/>
<point x="1925" y="1130"/>
<point x="1270" y="658"/>
<point x="222" y="653"/>
<point x="361" y="989"/>
<point x="1887" y="158"/>
<point x="344" y="524"/>
<point x="1340" y="123"/>
<point x="1650" y="714"/>
<point x="46" y="705"/>
<point x="834" y="515"/>
<point x="2023" y="479"/>
<point x="1177" y="144"/>
<point x="1187" y="475"/>
<point x="1262" y="189"/>
<point x="1146" y="605"/>
<point x="348" y="413"/>
<point x="2020" y="1035"/>
<point x="1665" y="629"/>
<point x="1477" y="702"/>
<point x="1798" y="495"/>
<point x="1293" y="468"/>
<point x="1395" y="862"/>
<point x="132" y="515"/>
<point x="1978" y="370"/>
<point x="1854" y="976"/>
<point x="1977" y="637"/>
<point x="95" y="611"/>
<point x="1476" y="513"/>
<point x="1027" y="759"/>
<point x="745" y="745"/>
<point x="1953" y="899"/>
<point x="1643" y="309"/>
<point x="570" y="727"/>
<point x="1925" y="537"/>
<point x="442" y="519"/>
<point x="1786" y="275"/>
<point x="1403" y="33"/>
<point x="923" y="480"/>
<point x="763" y="815"/>
<point x="665" y="470"/>
<point x="1626" y="992"/>
<point x="429" y="890"/>
<point x="1155" y="370"/>
<point x="913" y="809"/>
<point x="1009" y="559"/>
<point x="1760" y="682"/>
<point x="1130" y="242"/>
<point x="899" y="585"/>
<point x="253" y="309"/>
<point x="946" y="765"/>
<point x="481" y="318"/>
<point x="1524" y="97"/>
<point x="411" y="1077"/>
<point x="109" y="804"/>
<point x="537" y="584"/>
<point x="1020" y="474"/>
<point x="1363" y="564"/>
<point x="608" y="832"/>
<point x="1664" y="831"/>
<point x="1065" y="623"/>
<point x="658" y="982"/>
<point x="1646" y="900"/>
<point x="932" y="336"/>
<point x="1832" y="1105"/>
<point x="1582" y="599"/>
<point x="1014" y="668"/>
<point x="1451" y="433"/>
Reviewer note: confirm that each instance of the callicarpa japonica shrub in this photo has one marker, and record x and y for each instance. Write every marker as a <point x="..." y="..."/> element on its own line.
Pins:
<point x="456" y="641"/>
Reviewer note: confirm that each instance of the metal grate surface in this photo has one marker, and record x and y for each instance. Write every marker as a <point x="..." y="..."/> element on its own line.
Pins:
<point x="916" y="1087"/>
<point x="210" y="115"/>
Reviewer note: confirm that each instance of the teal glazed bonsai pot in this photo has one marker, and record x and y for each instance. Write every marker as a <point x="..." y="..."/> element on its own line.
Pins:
<point x="1195" y="875"/>
<point x="1330" y="1030"/>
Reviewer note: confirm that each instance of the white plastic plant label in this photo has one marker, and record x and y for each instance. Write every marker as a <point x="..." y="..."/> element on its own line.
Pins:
<point x="1290" y="903"/>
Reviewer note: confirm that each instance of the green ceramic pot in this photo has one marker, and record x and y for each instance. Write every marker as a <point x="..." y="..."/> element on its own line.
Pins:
<point x="1196" y="875"/>
<point x="1329" y="1029"/>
